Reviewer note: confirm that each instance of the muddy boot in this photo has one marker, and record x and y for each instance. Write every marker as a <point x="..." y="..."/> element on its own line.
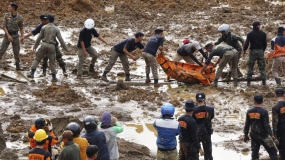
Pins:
<point x="127" y="78"/>
<point x="235" y="82"/>
<point x="156" y="84"/>
<point x="64" y="72"/>
<point x="264" y="82"/>
<point x="147" y="78"/>
<point x="18" y="66"/>
<point x="31" y="74"/>
<point x="44" y="72"/>
<point x="239" y="73"/>
<point x="54" y="79"/>
<point x="278" y="81"/>
<point x="248" y="83"/>
<point x="104" y="76"/>
<point x="216" y="83"/>
<point x="91" y="68"/>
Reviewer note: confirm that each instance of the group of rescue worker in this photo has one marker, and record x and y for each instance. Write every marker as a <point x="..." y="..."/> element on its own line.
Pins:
<point x="97" y="141"/>
<point x="230" y="54"/>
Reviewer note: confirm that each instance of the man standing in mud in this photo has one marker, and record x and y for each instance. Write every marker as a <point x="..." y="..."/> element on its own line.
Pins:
<point x="189" y="141"/>
<point x="48" y="35"/>
<point x="257" y="41"/>
<point x="186" y="52"/>
<point x="278" y="121"/>
<point x="232" y="40"/>
<point x="227" y="54"/>
<point x="58" y="56"/>
<point x="122" y="50"/>
<point x="154" y="43"/>
<point x="260" y="131"/>
<point x="84" y="46"/>
<point x="203" y="116"/>
<point x="13" y="22"/>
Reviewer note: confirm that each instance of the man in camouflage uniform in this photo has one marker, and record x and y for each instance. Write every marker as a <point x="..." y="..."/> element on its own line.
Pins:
<point x="58" y="55"/>
<point x="13" y="22"/>
<point x="232" y="40"/>
<point x="260" y="132"/>
<point x="278" y="121"/>
<point x="257" y="40"/>
<point x="48" y="35"/>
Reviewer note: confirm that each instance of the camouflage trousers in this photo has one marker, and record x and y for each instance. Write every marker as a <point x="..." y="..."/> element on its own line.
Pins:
<point x="267" y="143"/>
<point x="207" y="146"/>
<point x="58" y="57"/>
<point x="166" y="155"/>
<point x="188" y="152"/>
<point x="258" y="56"/>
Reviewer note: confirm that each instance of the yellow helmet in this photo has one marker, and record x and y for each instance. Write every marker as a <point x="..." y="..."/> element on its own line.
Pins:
<point x="40" y="135"/>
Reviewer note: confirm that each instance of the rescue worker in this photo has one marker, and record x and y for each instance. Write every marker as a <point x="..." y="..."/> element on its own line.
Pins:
<point x="122" y="50"/>
<point x="203" y="115"/>
<point x="154" y="43"/>
<point x="111" y="133"/>
<point x="278" y="53"/>
<point x="232" y="40"/>
<point x="81" y="142"/>
<point x="12" y="23"/>
<point x="95" y="137"/>
<point x="84" y="45"/>
<point x="45" y="124"/>
<point x="38" y="152"/>
<point x="260" y="132"/>
<point x="48" y="35"/>
<point x="186" y="52"/>
<point x="278" y="122"/>
<point x="91" y="152"/>
<point x="167" y="128"/>
<point x="58" y="56"/>
<point x="71" y="150"/>
<point x="257" y="41"/>
<point x="188" y="137"/>
<point x="227" y="54"/>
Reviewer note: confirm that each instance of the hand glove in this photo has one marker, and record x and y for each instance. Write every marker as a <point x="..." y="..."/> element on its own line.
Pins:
<point x="245" y="138"/>
<point x="275" y="140"/>
<point x="50" y="126"/>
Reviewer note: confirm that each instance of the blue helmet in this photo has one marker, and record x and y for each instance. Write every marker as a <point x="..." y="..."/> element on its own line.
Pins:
<point x="167" y="109"/>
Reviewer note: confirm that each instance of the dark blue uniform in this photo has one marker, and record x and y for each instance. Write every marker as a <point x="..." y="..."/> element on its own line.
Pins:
<point x="129" y="44"/>
<point x="258" y="122"/>
<point x="153" y="43"/>
<point x="203" y="116"/>
<point x="85" y="35"/>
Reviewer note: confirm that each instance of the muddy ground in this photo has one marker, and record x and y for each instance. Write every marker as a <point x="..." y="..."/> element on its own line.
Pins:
<point x="73" y="99"/>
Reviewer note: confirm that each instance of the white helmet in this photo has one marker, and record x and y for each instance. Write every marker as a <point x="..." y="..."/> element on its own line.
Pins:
<point x="89" y="23"/>
<point x="224" y="27"/>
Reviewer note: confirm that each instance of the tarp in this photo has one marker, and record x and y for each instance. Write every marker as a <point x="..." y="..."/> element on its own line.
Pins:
<point x="184" y="72"/>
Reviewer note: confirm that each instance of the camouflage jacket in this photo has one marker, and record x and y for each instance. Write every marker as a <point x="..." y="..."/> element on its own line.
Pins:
<point x="231" y="40"/>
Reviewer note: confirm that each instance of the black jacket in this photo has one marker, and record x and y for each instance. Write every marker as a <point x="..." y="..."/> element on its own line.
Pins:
<point x="257" y="40"/>
<point x="188" y="130"/>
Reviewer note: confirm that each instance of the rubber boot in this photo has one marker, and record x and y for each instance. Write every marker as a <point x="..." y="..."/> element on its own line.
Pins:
<point x="264" y="82"/>
<point x="104" y="76"/>
<point x="44" y="72"/>
<point x="64" y="71"/>
<point x="18" y="66"/>
<point x="31" y="74"/>
<point x="216" y="83"/>
<point x="127" y="78"/>
<point x="235" y="82"/>
<point x="248" y="82"/>
<point x="278" y="81"/>
<point x="54" y="79"/>
<point x="147" y="78"/>
<point x="91" y="68"/>
<point x="156" y="84"/>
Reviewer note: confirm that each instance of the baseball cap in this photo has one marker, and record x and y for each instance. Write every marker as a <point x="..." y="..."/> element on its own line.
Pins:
<point x="189" y="105"/>
<point x="279" y="91"/>
<point x="43" y="16"/>
<point x="185" y="41"/>
<point x="50" y="18"/>
<point x="258" y="98"/>
<point x="256" y="23"/>
<point x="200" y="96"/>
